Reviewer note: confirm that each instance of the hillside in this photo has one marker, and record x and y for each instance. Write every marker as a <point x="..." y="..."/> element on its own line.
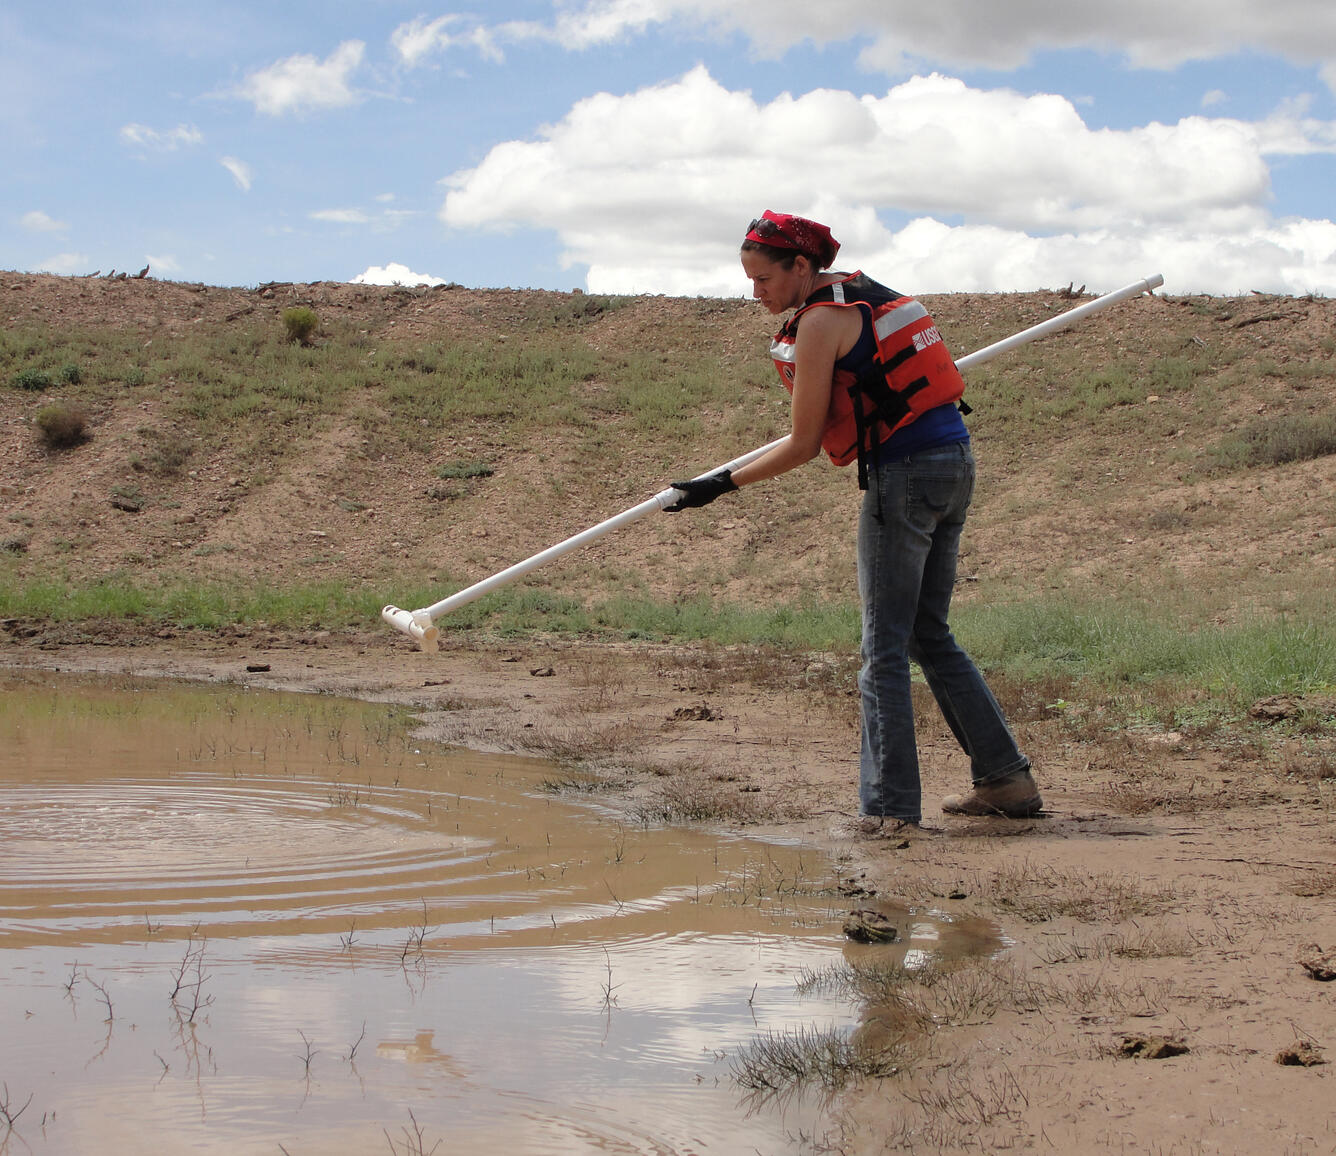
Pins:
<point x="1160" y="475"/>
<point x="1100" y="448"/>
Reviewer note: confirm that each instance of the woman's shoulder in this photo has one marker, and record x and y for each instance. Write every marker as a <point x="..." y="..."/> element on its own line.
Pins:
<point x="818" y="320"/>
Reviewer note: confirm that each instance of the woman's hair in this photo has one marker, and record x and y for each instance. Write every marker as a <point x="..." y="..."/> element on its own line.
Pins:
<point x="786" y="257"/>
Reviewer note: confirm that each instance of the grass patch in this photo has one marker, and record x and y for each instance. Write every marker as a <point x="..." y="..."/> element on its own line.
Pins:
<point x="165" y="452"/>
<point x="1156" y="651"/>
<point x="1039" y="894"/>
<point x="828" y="1058"/>
<point x="583" y="307"/>
<point x="692" y="798"/>
<point x="1098" y="666"/>
<point x="1276" y="441"/>
<point x="189" y="605"/>
<point x="901" y="1007"/>
<point x="464" y="469"/>
<point x="937" y="993"/>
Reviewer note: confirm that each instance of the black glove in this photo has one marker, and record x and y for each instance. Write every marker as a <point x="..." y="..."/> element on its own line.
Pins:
<point x="701" y="491"/>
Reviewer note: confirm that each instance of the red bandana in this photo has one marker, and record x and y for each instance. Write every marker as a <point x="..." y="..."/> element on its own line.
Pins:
<point x="785" y="231"/>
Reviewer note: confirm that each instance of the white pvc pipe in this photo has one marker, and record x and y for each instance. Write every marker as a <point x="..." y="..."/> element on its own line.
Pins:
<point x="1061" y="321"/>
<point x="419" y="624"/>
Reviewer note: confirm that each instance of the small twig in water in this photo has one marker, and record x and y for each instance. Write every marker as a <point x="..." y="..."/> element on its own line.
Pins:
<point x="414" y="1145"/>
<point x="609" y="988"/>
<point x="311" y="1052"/>
<point x="357" y="1043"/>
<point x="188" y="1005"/>
<point x="8" y="1112"/>
<point x="102" y="995"/>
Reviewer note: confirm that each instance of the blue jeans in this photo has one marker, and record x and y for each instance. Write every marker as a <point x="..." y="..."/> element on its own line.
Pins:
<point x="908" y="537"/>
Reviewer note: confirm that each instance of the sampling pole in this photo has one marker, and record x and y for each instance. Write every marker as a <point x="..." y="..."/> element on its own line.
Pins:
<point x="420" y="624"/>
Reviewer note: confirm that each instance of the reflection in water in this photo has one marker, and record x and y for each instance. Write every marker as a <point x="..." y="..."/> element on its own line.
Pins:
<point x="241" y="920"/>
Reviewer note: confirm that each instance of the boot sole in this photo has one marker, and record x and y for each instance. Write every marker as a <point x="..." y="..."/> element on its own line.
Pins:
<point x="1026" y="810"/>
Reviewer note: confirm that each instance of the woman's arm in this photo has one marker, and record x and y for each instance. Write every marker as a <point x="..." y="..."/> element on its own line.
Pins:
<point x="824" y="336"/>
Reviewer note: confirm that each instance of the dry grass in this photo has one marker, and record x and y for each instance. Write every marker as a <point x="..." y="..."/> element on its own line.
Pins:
<point x="583" y="743"/>
<point x="694" y="799"/>
<point x="1316" y="884"/>
<point x="1038" y="893"/>
<point x="1157" y="941"/>
<point x="958" y="1107"/>
<point x="62" y="426"/>
<point x="602" y="684"/>
<point x="1148" y="791"/>
<point x="939" y="993"/>
<point x="1099" y="993"/>
<point x="579" y="781"/>
<point x="903" y="1009"/>
<point x="828" y="1058"/>
<point x="1309" y="763"/>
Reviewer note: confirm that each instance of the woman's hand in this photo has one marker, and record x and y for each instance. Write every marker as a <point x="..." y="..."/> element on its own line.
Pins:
<point x="701" y="491"/>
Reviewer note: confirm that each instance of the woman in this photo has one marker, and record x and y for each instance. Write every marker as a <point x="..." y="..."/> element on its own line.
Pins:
<point x="871" y="381"/>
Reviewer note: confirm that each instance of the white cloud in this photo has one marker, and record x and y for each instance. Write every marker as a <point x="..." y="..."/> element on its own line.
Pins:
<point x="382" y="220"/>
<point x="1030" y="183"/>
<point x="38" y="222"/>
<point x="302" y="83"/>
<point x="162" y="263"/>
<point x="341" y="216"/>
<point x="603" y="21"/>
<point x="903" y="34"/>
<point x="929" y="145"/>
<point x="65" y="264"/>
<point x="930" y="257"/>
<point x="395" y="274"/>
<point x="419" y="39"/>
<point x="169" y="141"/>
<point x="241" y="172"/>
<point x="1214" y="97"/>
<point x="1289" y="132"/>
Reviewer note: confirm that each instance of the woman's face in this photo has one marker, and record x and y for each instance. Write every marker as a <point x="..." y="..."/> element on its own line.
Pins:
<point x="775" y="287"/>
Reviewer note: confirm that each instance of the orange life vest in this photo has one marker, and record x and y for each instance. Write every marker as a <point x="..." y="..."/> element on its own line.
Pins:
<point x="911" y="372"/>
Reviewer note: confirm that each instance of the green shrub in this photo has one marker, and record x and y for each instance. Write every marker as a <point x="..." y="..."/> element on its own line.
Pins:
<point x="71" y="374"/>
<point x="33" y="379"/>
<point x="62" y="426"/>
<point x="464" y="470"/>
<point x="1275" y="441"/>
<point x="301" y="323"/>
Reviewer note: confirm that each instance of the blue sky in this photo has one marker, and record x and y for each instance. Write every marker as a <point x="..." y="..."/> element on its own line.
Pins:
<point x="622" y="145"/>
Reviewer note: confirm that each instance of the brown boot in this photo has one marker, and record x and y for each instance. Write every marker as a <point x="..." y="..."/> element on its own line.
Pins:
<point x="1015" y="797"/>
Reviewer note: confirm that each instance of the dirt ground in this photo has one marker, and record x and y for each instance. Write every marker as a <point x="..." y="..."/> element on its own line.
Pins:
<point x="1152" y="995"/>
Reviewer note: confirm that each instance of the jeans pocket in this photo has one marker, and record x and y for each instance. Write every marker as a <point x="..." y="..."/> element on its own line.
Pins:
<point x="940" y="494"/>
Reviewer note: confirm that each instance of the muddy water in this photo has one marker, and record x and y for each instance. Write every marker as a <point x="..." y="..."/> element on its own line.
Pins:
<point x="241" y="922"/>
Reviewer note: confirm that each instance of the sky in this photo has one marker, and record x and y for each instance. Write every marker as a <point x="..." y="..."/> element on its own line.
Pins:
<point x="622" y="146"/>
